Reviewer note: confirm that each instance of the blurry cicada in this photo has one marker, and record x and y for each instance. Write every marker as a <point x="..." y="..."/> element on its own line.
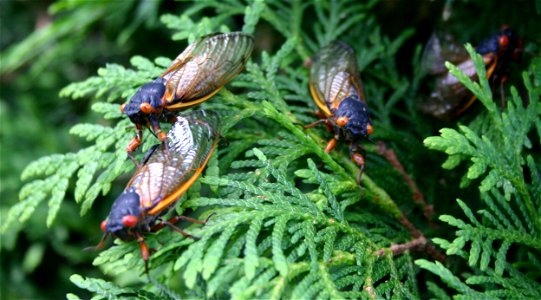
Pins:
<point x="165" y="174"/>
<point x="450" y="98"/>
<point x="198" y="73"/>
<point x="337" y="89"/>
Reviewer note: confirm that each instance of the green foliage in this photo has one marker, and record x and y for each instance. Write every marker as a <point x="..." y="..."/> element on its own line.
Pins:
<point x="499" y="157"/>
<point x="43" y="47"/>
<point x="287" y="219"/>
<point x="271" y="226"/>
<point x="71" y="28"/>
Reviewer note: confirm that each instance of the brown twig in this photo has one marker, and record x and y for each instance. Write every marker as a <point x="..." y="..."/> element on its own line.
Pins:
<point x="419" y="243"/>
<point x="397" y="249"/>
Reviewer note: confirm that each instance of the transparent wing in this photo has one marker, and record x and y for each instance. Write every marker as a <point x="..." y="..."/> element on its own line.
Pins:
<point x="170" y="171"/>
<point x="450" y="98"/>
<point x="205" y="67"/>
<point x="442" y="47"/>
<point x="334" y="76"/>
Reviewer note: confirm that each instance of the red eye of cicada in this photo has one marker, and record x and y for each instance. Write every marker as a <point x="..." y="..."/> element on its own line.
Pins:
<point x="103" y="225"/>
<point x="503" y="41"/>
<point x="369" y="129"/>
<point x="129" y="221"/>
<point x="342" y="121"/>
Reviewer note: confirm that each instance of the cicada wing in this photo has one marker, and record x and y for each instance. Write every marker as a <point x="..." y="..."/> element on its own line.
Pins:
<point x="442" y="47"/>
<point x="205" y="67"/>
<point x="445" y="101"/>
<point x="450" y="97"/>
<point x="334" y="76"/>
<point x="171" y="170"/>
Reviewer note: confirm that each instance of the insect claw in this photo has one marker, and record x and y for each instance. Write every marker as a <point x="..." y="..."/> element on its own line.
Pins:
<point x="314" y="124"/>
<point x="359" y="176"/>
<point x="137" y="164"/>
<point x="166" y="146"/>
<point x="358" y="159"/>
<point x="99" y="245"/>
<point x="147" y="272"/>
<point x="502" y="92"/>
<point x="208" y="218"/>
<point x="182" y="231"/>
<point x="299" y="124"/>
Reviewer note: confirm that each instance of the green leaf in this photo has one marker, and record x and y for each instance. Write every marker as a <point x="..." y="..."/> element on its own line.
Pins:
<point x="251" y="262"/>
<point x="446" y="275"/>
<point x="277" y="252"/>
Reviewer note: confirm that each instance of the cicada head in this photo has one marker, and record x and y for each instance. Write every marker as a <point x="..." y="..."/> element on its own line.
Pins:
<point x="353" y="119"/>
<point x="124" y="217"/>
<point x="147" y="100"/>
<point x="505" y="44"/>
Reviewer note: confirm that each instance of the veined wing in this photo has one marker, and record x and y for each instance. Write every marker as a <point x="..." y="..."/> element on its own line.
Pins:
<point x="205" y="67"/>
<point x="169" y="172"/>
<point x="442" y="47"/>
<point x="334" y="76"/>
<point x="450" y="98"/>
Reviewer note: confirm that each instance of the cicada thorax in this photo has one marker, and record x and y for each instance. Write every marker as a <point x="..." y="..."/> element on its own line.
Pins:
<point x="166" y="173"/>
<point x="198" y="73"/>
<point x="337" y="89"/>
<point x="449" y="98"/>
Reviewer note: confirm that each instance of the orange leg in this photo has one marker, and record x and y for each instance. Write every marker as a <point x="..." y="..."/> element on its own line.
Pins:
<point x="330" y="145"/>
<point x="145" y="253"/>
<point x="171" y="223"/>
<point x="175" y="228"/>
<point x="314" y="124"/>
<point x="323" y="119"/>
<point x="157" y="130"/>
<point x="174" y="220"/>
<point x="359" y="160"/>
<point x="134" y="143"/>
<point x="502" y="91"/>
<point x="98" y="246"/>
<point x="320" y="114"/>
<point x="329" y="126"/>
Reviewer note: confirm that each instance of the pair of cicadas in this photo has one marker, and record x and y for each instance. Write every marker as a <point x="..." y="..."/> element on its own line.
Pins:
<point x="170" y="168"/>
<point x="449" y="97"/>
<point x="337" y="88"/>
<point x="198" y="73"/>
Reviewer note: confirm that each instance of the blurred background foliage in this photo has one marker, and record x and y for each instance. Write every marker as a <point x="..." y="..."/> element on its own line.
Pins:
<point x="45" y="45"/>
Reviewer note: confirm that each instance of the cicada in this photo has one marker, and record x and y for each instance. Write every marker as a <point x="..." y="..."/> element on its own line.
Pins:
<point x="165" y="174"/>
<point x="337" y="89"/>
<point x="450" y="98"/>
<point x="198" y="73"/>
